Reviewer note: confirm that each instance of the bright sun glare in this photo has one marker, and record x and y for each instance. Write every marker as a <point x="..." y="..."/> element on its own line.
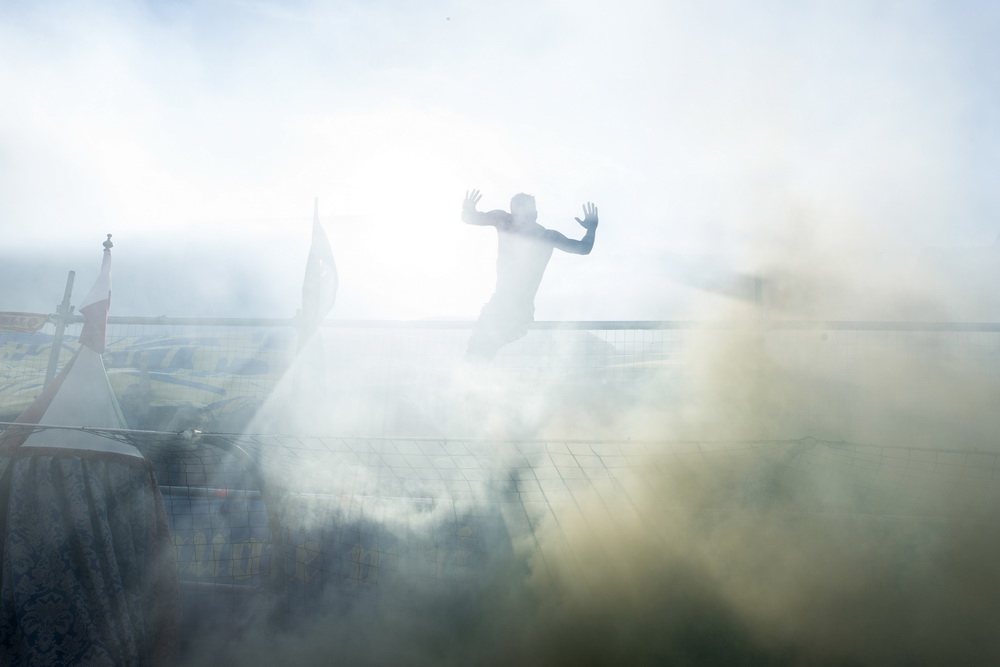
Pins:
<point x="404" y="240"/>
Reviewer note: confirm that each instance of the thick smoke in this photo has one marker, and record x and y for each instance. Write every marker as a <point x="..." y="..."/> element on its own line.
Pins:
<point x="796" y="554"/>
<point x="731" y="535"/>
<point x="813" y="149"/>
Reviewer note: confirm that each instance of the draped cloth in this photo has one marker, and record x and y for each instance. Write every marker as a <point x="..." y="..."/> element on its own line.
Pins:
<point x="89" y="572"/>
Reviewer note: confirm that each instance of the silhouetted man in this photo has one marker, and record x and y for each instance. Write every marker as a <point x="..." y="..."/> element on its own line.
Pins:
<point x="523" y="251"/>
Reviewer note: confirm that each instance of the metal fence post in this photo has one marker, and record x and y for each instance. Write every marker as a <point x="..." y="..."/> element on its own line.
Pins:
<point x="63" y="313"/>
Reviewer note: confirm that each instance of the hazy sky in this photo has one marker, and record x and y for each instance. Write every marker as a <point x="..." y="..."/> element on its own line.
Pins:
<point x="730" y="133"/>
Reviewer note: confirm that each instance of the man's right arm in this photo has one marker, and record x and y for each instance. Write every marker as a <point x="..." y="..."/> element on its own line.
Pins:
<point x="471" y="216"/>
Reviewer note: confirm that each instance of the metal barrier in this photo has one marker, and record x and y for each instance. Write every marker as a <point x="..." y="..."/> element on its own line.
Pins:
<point x="411" y="378"/>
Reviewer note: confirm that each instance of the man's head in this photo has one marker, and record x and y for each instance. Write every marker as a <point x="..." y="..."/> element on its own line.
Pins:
<point x="522" y="208"/>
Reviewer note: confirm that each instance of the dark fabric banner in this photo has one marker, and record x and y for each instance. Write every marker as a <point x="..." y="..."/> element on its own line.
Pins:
<point x="89" y="568"/>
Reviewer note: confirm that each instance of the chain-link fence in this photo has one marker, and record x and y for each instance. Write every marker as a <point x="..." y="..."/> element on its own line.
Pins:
<point x="412" y="378"/>
<point x="459" y="475"/>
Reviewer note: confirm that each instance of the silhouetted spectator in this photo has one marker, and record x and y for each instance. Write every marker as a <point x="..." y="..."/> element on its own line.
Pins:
<point x="523" y="251"/>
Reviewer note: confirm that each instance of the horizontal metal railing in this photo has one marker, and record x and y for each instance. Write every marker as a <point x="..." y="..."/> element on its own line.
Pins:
<point x="577" y="325"/>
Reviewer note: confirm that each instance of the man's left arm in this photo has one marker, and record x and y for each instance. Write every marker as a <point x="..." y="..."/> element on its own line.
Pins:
<point x="584" y="245"/>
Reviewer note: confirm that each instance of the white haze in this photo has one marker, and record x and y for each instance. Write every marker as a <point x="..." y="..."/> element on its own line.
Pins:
<point x="822" y="146"/>
<point x="719" y="134"/>
<point x="711" y="542"/>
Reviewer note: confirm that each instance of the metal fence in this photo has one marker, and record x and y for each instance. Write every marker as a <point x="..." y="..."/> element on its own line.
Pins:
<point x="854" y="430"/>
<point x="271" y="531"/>
<point x="835" y="380"/>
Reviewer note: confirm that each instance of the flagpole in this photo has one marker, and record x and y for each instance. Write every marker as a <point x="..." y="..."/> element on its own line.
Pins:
<point x="63" y="313"/>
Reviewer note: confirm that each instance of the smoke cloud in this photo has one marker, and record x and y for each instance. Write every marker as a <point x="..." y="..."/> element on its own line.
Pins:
<point x="810" y="496"/>
<point x="781" y="493"/>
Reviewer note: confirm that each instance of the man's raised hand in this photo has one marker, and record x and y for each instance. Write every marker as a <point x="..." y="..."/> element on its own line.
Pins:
<point x="472" y="198"/>
<point x="589" y="221"/>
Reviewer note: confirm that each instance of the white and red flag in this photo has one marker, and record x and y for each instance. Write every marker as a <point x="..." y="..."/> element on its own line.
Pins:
<point x="96" y="304"/>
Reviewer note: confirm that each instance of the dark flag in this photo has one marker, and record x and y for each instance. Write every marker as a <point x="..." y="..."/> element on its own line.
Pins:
<point x="319" y="289"/>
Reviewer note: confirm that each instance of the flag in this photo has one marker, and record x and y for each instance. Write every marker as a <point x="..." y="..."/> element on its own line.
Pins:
<point x="96" y="304"/>
<point x="319" y="289"/>
<point x="714" y="278"/>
